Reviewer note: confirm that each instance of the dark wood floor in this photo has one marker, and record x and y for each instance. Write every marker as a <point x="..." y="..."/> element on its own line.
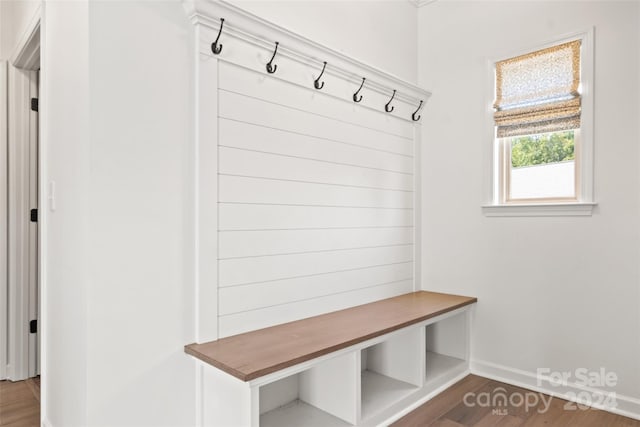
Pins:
<point x="448" y="409"/>
<point x="20" y="403"/>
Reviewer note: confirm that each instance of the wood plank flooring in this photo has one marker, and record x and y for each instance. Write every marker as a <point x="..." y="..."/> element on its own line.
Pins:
<point x="20" y="403"/>
<point x="449" y="409"/>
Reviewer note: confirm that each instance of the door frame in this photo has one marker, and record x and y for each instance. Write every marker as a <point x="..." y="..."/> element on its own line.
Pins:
<point x="21" y="80"/>
<point x="4" y="274"/>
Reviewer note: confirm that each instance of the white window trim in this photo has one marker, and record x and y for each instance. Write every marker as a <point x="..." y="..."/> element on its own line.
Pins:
<point x="584" y="205"/>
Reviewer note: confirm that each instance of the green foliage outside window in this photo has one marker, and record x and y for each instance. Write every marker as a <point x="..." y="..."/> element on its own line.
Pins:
<point x="540" y="149"/>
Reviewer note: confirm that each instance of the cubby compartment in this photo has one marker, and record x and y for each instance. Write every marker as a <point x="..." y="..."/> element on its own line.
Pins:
<point x="324" y="395"/>
<point x="446" y="345"/>
<point x="391" y="371"/>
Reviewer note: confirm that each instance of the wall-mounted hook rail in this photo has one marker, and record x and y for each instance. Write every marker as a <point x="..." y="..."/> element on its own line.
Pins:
<point x="401" y="92"/>
<point x="215" y="48"/>
<point x="316" y="82"/>
<point x="413" y="115"/>
<point x="355" y="95"/>
<point x="270" y="67"/>
<point x="386" y="107"/>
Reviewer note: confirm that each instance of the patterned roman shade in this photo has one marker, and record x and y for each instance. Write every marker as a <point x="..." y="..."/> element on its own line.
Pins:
<point x="538" y="92"/>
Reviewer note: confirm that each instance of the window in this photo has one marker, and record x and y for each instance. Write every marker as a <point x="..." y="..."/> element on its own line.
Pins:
<point x="540" y="124"/>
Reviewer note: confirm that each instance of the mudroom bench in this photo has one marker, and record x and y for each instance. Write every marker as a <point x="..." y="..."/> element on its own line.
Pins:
<point x="365" y="365"/>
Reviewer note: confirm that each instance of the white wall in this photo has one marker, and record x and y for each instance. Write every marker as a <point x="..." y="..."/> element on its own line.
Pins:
<point x="140" y="307"/>
<point x="560" y="293"/>
<point x="380" y="33"/>
<point x="64" y="120"/>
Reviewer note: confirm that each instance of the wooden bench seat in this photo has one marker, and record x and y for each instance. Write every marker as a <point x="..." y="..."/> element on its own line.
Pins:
<point x="257" y="353"/>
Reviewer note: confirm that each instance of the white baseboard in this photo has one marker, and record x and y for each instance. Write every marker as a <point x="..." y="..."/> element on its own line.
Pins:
<point x="624" y="405"/>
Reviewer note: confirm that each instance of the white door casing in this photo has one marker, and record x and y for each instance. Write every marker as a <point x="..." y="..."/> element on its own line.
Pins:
<point x="3" y="219"/>
<point x="22" y="236"/>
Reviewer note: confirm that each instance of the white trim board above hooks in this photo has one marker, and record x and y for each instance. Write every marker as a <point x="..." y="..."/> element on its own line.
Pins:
<point x="208" y="15"/>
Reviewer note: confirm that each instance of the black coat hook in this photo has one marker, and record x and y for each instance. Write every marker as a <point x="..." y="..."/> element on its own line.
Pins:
<point x="355" y="95"/>
<point x="413" y="115"/>
<point x="272" y="68"/>
<point x="386" y="107"/>
<point x="316" y="82"/>
<point x="215" y="48"/>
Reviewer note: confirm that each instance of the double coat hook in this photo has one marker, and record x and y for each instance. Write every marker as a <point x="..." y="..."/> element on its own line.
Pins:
<point x="413" y="115"/>
<point x="355" y="95"/>
<point x="316" y="82"/>
<point x="215" y="48"/>
<point x="270" y="67"/>
<point x="386" y="107"/>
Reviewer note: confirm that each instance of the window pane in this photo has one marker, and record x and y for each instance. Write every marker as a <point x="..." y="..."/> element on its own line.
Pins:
<point x="542" y="166"/>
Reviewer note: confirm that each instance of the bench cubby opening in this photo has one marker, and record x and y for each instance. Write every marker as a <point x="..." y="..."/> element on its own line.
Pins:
<point x="446" y="347"/>
<point x="390" y="371"/>
<point x="324" y="395"/>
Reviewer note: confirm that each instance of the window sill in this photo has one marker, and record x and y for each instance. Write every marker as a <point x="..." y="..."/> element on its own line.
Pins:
<point x="555" y="209"/>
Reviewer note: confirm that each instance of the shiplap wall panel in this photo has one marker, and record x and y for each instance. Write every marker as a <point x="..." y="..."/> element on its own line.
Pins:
<point x="234" y="78"/>
<point x="261" y="138"/>
<point x="315" y="202"/>
<point x="240" y="162"/>
<point x="241" y="298"/>
<point x="241" y="271"/>
<point x="244" y="108"/>
<point x="273" y="315"/>
<point x="244" y="244"/>
<point x="242" y="189"/>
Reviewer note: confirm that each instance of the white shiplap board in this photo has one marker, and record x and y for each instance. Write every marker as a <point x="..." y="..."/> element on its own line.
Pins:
<point x="256" y="319"/>
<point x="315" y="202"/>
<point x="254" y="269"/>
<point x="247" y="189"/>
<point x="239" y="244"/>
<point x="241" y="162"/>
<point x="253" y="296"/>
